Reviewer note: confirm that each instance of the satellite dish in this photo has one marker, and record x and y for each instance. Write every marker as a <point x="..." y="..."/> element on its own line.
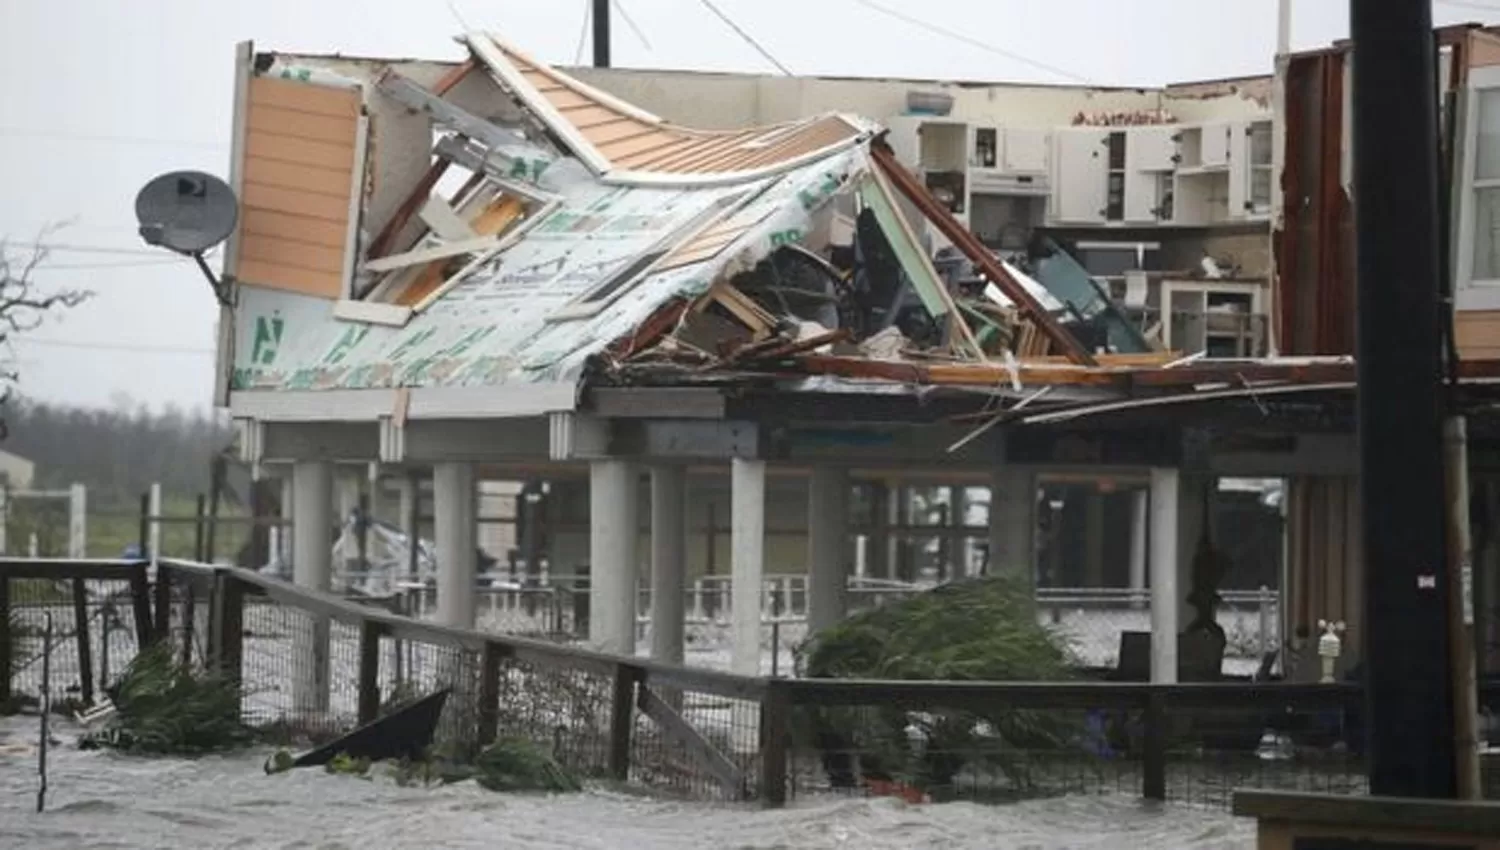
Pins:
<point x="186" y="211"/>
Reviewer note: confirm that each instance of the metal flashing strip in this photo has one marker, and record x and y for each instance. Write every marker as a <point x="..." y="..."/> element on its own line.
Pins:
<point x="506" y="401"/>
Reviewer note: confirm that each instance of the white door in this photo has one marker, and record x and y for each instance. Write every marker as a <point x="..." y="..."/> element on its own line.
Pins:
<point x="1214" y="150"/>
<point x="1143" y="196"/>
<point x="1151" y="148"/>
<point x="1081" y="164"/>
<point x="1025" y="151"/>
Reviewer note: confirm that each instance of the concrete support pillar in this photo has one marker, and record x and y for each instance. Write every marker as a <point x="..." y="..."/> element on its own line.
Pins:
<point x="1093" y="530"/>
<point x="668" y="561"/>
<point x="827" y="547"/>
<point x="312" y="557"/>
<point x="456" y="536"/>
<point x="1139" y="502"/>
<point x="747" y="535"/>
<point x="1013" y="523"/>
<point x="878" y="543"/>
<point x="614" y="526"/>
<point x="1165" y="484"/>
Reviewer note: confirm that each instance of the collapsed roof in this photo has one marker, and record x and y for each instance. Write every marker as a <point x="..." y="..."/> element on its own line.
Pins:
<point x="501" y="227"/>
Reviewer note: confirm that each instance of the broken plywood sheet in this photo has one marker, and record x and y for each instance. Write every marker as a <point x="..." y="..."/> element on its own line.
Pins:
<point x="493" y="326"/>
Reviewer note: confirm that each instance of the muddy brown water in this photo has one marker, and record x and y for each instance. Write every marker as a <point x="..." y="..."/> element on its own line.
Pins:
<point x="102" y="800"/>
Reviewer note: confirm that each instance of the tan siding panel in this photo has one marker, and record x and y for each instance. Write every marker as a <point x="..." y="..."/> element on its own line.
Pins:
<point x="303" y="125"/>
<point x="292" y="279"/>
<point x="1478" y="334"/>
<point x="314" y="231"/>
<point x="303" y="97"/>
<point x="259" y="196"/>
<point x="286" y="252"/>
<point x="263" y="145"/>
<point x="322" y="181"/>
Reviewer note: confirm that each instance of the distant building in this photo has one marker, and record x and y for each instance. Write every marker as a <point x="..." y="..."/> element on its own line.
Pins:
<point x="16" y="472"/>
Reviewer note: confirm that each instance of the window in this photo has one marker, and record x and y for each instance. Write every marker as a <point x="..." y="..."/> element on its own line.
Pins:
<point x="1486" y="197"/>
<point x="1261" y="169"/>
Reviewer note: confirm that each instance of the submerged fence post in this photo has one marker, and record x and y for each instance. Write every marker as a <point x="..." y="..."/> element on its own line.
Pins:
<point x="369" y="670"/>
<point x="6" y="650"/>
<point x="775" y="741"/>
<point x="621" y="721"/>
<point x="140" y="603"/>
<point x="85" y="648"/>
<point x="227" y="633"/>
<point x="163" y="601"/>
<point x="489" y="694"/>
<point x="46" y="734"/>
<point x="1154" y="762"/>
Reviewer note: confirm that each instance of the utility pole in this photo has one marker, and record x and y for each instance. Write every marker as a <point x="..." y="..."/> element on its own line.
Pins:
<point x="601" y="33"/>
<point x="1409" y="716"/>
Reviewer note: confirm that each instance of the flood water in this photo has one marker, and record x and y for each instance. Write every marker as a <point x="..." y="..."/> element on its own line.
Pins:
<point x="102" y="800"/>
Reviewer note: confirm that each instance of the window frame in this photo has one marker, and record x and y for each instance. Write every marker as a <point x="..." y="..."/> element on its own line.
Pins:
<point x="1471" y="293"/>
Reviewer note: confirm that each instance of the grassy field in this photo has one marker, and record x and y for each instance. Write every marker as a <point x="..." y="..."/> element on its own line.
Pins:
<point x="113" y="528"/>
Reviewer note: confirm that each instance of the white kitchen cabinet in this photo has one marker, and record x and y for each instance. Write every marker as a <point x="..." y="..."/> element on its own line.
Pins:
<point x="1213" y="145"/>
<point x="1025" y="151"/>
<point x="1151" y="148"/>
<point x="1143" y="197"/>
<point x="1080" y="170"/>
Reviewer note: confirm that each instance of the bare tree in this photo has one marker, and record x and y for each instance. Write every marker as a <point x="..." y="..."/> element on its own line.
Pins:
<point x="24" y="304"/>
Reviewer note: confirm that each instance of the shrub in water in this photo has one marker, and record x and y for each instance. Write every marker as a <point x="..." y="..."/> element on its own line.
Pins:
<point x="164" y="708"/>
<point x="980" y="630"/>
<point x="515" y="764"/>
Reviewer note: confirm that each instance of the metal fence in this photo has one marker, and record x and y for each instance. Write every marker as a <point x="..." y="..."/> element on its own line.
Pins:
<point x="313" y="665"/>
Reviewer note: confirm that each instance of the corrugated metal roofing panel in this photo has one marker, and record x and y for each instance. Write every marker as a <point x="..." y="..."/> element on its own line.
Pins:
<point x="630" y="139"/>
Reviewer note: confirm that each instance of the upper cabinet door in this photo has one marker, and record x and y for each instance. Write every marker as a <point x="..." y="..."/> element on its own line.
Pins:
<point x="1239" y="170"/>
<point x="1151" y="148"/>
<point x="1025" y="151"/>
<point x="1081" y="167"/>
<point x="1215" y="145"/>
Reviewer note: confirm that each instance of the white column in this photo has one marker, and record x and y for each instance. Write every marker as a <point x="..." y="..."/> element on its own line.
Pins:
<point x="746" y="561"/>
<point x="1164" y="514"/>
<point x="456" y="535"/>
<point x="1013" y="522"/>
<point x="153" y="528"/>
<point x="668" y="561"/>
<point x="78" y="522"/>
<point x="1139" y="500"/>
<point x="288" y="516"/>
<point x="4" y="518"/>
<point x="614" y="526"/>
<point x="827" y="547"/>
<point x="312" y="554"/>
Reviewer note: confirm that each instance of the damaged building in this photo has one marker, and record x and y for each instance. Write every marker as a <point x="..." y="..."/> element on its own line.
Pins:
<point x="734" y="349"/>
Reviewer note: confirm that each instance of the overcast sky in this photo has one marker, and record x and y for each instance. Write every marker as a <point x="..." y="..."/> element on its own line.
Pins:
<point x="98" y="96"/>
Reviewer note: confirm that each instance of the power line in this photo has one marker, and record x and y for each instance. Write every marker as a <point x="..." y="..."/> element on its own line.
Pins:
<point x="746" y="37"/>
<point x="583" y="34"/>
<point x="972" y="42"/>
<point x="31" y="132"/>
<point x="619" y="7"/>
<point x="130" y="347"/>
<point x="80" y="248"/>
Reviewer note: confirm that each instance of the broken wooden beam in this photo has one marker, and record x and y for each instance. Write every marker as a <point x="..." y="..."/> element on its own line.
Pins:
<point x="977" y="253"/>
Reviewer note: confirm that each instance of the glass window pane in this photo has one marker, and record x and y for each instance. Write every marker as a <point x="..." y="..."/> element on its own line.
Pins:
<point x="1487" y="137"/>
<point x="1260" y="143"/>
<point x="1487" y="234"/>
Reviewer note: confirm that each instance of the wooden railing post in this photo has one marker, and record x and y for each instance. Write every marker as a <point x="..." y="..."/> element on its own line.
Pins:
<point x="227" y="634"/>
<point x="6" y="651"/>
<point x="1154" y="767"/>
<point x="140" y="603"/>
<point x="489" y="694"/>
<point x="81" y="637"/>
<point x="775" y="743"/>
<point x="163" y="602"/>
<point x="622" y="721"/>
<point x="369" y="670"/>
